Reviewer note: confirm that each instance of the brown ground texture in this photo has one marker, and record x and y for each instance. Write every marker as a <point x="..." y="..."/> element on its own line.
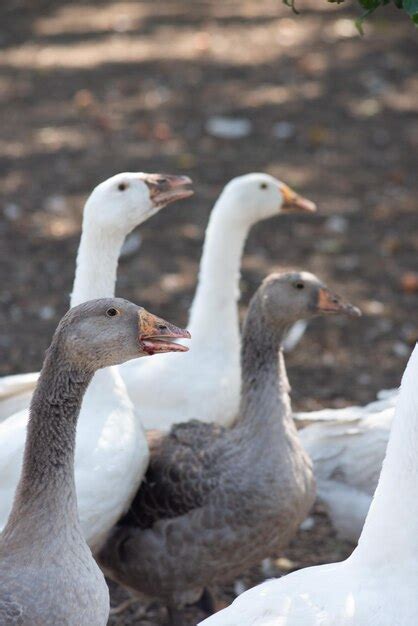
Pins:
<point x="88" y="89"/>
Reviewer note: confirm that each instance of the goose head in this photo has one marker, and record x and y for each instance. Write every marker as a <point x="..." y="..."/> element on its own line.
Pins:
<point x="258" y="196"/>
<point x="109" y="331"/>
<point x="125" y="200"/>
<point x="291" y="296"/>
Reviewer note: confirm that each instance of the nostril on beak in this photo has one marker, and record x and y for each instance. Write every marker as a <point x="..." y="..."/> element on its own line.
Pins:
<point x="162" y="327"/>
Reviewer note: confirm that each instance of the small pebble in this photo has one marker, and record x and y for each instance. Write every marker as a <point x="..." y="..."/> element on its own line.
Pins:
<point x="336" y="224"/>
<point x="409" y="282"/>
<point x="283" y="130"/>
<point x="12" y="211"/>
<point x="372" y="307"/>
<point x="364" y="379"/>
<point x="268" y="568"/>
<point x="328" y="246"/>
<point x="285" y="564"/>
<point x="46" y="312"/>
<point x="347" y="263"/>
<point x="56" y="205"/>
<point x="239" y="587"/>
<point x="228" y="127"/>
<point x="307" y="524"/>
<point x="400" y="349"/>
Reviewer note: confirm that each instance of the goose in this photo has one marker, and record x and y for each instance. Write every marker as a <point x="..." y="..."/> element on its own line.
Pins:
<point x="218" y="500"/>
<point x="127" y="200"/>
<point x="347" y="447"/>
<point x="209" y="375"/>
<point x="378" y="583"/>
<point x="47" y="573"/>
<point x="112" y="452"/>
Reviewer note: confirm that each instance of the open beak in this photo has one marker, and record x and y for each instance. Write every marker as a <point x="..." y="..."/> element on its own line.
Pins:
<point x="166" y="188"/>
<point x="156" y="335"/>
<point x="329" y="302"/>
<point x="293" y="203"/>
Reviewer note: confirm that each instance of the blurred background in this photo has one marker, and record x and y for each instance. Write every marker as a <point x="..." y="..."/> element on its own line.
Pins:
<point x="215" y="89"/>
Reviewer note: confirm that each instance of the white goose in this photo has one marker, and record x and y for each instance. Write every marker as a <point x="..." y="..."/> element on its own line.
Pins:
<point x="347" y="447"/>
<point x="208" y="377"/>
<point x="377" y="584"/>
<point x="111" y="452"/>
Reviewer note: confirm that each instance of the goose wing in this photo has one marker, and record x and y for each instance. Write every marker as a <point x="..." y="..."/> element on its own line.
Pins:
<point x="11" y="612"/>
<point x="180" y="474"/>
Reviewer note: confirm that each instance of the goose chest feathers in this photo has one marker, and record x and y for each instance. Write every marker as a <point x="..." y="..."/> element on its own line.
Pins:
<point x="217" y="500"/>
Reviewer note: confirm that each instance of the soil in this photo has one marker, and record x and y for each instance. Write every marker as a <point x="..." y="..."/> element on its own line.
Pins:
<point x="88" y="89"/>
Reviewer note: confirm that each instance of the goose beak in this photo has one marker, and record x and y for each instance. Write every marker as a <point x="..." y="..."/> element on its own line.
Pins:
<point x="166" y="188"/>
<point x="330" y="303"/>
<point x="156" y="335"/>
<point x="294" y="203"/>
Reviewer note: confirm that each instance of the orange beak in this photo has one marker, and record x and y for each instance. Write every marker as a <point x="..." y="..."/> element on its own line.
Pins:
<point x="330" y="303"/>
<point x="156" y="335"/>
<point x="294" y="203"/>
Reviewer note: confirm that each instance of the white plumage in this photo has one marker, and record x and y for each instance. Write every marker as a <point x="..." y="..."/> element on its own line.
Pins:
<point x="205" y="383"/>
<point x="347" y="447"/>
<point x="111" y="451"/>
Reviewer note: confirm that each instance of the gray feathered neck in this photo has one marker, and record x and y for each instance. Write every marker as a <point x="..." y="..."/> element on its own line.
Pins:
<point x="265" y="386"/>
<point x="46" y="489"/>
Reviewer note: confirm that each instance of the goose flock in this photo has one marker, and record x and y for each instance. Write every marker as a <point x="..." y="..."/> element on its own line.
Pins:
<point x="172" y="474"/>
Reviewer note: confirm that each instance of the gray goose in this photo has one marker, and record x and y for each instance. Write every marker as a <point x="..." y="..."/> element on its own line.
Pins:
<point x="218" y="500"/>
<point x="48" y="576"/>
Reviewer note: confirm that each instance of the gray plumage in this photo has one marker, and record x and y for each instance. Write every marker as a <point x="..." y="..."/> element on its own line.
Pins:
<point x="216" y="501"/>
<point x="48" y="576"/>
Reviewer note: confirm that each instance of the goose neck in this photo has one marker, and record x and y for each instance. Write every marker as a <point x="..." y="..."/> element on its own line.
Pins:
<point x="46" y="489"/>
<point x="265" y="396"/>
<point x="391" y="526"/>
<point x="97" y="262"/>
<point x="214" y="309"/>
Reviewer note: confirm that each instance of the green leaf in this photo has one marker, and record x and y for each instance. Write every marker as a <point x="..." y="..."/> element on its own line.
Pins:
<point x="411" y="7"/>
<point x="370" y="5"/>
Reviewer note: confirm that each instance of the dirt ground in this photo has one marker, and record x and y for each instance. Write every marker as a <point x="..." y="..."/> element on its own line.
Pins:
<point x="88" y="89"/>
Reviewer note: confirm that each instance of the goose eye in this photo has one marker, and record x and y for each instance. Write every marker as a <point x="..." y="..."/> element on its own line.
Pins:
<point x="112" y="312"/>
<point x="299" y="285"/>
<point x="263" y="185"/>
<point x="122" y="186"/>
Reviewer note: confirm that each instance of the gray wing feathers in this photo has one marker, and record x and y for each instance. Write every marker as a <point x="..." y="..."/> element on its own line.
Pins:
<point x="11" y="613"/>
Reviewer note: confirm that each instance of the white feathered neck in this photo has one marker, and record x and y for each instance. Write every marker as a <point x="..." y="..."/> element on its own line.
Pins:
<point x="97" y="262"/>
<point x="214" y="314"/>
<point x="391" y="527"/>
<point x="95" y="277"/>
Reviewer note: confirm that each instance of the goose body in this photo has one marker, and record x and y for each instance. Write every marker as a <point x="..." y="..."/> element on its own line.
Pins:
<point x="347" y="447"/>
<point x="47" y="573"/>
<point x="217" y="500"/>
<point x="371" y="586"/>
<point x="206" y="384"/>
<point x="15" y="392"/>
<point x="112" y="452"/>
<point x="327" y="595"/>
